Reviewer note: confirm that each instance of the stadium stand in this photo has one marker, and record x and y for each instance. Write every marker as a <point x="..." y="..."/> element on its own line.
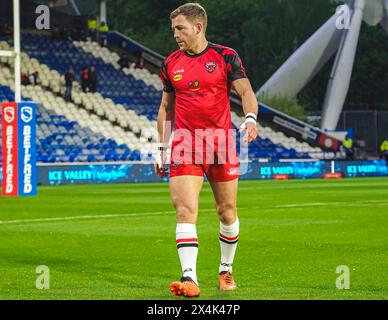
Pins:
<point x="60" y="139"/>
<point x="117" y="123"/>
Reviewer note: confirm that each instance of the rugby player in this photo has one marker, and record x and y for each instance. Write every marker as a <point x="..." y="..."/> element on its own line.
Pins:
<point x="197" y="80"/>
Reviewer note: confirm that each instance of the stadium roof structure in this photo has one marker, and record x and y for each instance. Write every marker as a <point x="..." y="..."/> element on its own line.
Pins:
<point x="339" y="34"/>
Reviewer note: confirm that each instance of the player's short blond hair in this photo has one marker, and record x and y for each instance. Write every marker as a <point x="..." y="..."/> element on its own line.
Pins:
<point x="193" y="11"/>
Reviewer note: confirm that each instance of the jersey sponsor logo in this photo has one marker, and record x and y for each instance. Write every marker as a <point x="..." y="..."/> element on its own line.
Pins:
<point x="233" y="172"/>
<point x="210" y="66"/>
<point x="175" y="165"/>
<point x="179" y="71"/>
<point x="196" y="94"/>
<point x="178" y="77"/>
<point x="194" y="85"/>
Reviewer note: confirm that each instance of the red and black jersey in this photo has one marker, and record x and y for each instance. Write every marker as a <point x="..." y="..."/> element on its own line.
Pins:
<point x="202" y="84"/>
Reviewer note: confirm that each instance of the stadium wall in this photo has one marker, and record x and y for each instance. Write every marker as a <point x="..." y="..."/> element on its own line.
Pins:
<point x="94" y="173"/>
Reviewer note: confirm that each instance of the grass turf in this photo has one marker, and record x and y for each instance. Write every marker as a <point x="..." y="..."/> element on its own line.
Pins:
<point x="118" y="241"/>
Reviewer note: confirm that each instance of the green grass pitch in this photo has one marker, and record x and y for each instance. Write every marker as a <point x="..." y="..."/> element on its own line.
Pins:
<point x="118" y="241"/>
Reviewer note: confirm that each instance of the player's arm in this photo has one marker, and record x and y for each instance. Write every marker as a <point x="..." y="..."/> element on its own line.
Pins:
<point x="166" y="117"/>
<point x="250" y="107"/>
<point x="164" y="121"/>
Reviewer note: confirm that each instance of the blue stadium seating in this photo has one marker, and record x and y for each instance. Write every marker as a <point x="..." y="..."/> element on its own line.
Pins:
<point x="59" y="140"/>
<point x="114" y="84"/>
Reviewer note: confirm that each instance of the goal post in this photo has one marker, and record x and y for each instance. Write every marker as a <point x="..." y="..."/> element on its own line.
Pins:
<point x="19" y="170"/>
<point x="15" y="53"/>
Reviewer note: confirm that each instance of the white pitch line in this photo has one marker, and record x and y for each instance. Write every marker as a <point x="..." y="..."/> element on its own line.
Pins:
<point x="137" y="214"/>
<point x="86" y="217"/>
<point x="343" y="203"/>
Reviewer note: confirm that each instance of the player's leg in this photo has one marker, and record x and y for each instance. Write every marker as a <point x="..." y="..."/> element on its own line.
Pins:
<point x="184" y="191"/>
<point x="225" y="195"/>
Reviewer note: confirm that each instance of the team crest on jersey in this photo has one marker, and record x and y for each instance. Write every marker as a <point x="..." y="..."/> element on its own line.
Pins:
<point x="210" y="66"/>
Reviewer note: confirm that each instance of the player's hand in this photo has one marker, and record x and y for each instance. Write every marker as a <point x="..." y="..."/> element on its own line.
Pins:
<point x="160" y="161"/>
<point x="251" y="131"/>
